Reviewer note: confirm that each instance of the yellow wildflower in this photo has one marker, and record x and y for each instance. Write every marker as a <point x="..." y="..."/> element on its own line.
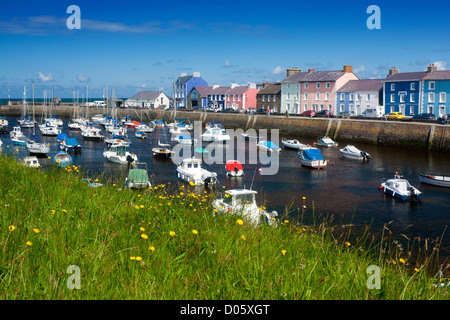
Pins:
<point x="194" y="231"/>
<point x="11" y="228"/>
<point x="347" y="244"/>
<point x="53" y="211"/>
<point x="416" y="269"/>
<point x="243" y="237"/>
<point x="151" y="248"/>
<point x="144" y="236"/>
<point x="64" y="210"/>
<point x="132" y="258"/>
<point x="239" y="222"/>
<point x="138" y="258"/>
<point x="142" y="229"/>
<point x="401" y="260"/>
<point x="141" y="206"/>
<point x="171" y="233"/>
<point x="28" y="243"/>
<point x="136" y="207"/>
<point x="283" y="252"/>
<point x="36" y="230"/>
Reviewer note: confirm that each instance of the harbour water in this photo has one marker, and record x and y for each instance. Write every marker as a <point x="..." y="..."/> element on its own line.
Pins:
<point x="346" y="189"/>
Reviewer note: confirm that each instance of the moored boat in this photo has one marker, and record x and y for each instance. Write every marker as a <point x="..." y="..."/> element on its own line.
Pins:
<point x="312" y="157"/>
<point x="31" y="161"/>
<point x="234" y="168"/>
<point x="326" y="142"/>
<point x="138" y="178"/>
<point x="400" y="188"/>
<point x="352" y="152"/>
<point x="190" y="170"/>
<point x="293" y="144"/>
<point x="435" y="179"/>
<point x="268" y="145"/>
<point x="62" y="159"/>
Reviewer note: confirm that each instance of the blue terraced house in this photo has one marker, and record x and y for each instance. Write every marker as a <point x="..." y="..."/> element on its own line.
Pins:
<point x="436" y="92"/>
<point x="183" y="86"/>
<point x="402" y="92"/>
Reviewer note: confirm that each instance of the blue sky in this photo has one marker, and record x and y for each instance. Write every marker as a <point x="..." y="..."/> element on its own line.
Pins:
<point x="129" y="45"/>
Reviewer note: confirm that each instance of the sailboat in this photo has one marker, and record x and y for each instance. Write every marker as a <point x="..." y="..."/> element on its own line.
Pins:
<point x="163" y="150"/>
<point x="25" y="122"/>
<point x="34" y="146"/>
<point x="88" y="131"/>
<point x="17" y="137"/>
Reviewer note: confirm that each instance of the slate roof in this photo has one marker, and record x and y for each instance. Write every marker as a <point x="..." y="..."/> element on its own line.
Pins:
<point x="146" y="95"/>
<point x="273" y="88"/>
<point x="184" y="79"/>
<point x="406" y="76"/>
<point x="203" y="91"/>
<point x="438" y="75"/>
<point x="220" y="90"/>
<point x="362" y="85"/>
<point x="238" y="90"/>
<point x="315" y="76"/>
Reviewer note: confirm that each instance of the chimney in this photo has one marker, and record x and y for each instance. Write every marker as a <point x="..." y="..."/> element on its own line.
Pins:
<point x="392" y="71"/>
<point x="183" y="74"/>
<point x="215" y="86"/>
<point x="311" y="70"/>
<point x="291" y="71"/>
<point x="196" y="74"/>
<point x="234" y="85"/>
<point x="348" y="69"/>
<point x="251" y="85"/>
<point x="431" y="68"/>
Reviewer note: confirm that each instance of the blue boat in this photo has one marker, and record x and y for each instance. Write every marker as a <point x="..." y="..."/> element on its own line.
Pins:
<point x="70" y="145"/>
<point x="62" y="159"/>
<point x="311" y="157"/>
<point x="268" y="145"/>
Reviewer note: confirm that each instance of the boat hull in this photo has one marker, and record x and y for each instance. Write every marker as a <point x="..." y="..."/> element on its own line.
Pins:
<point x="436" y="180"/>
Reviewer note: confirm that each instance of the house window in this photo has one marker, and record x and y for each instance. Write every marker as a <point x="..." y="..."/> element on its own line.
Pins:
<point x="442" y="97"/>
<point x="288" y="85"/>
<point x="341" y="108"/>
<point x="342" y="96"/>
<point x="274" y="98"/>
<point x="306" y="106"/>
<point x="317" y="96"/>
<point x="264" y="98"/>
<point x="327" y="85"/>
<point x="306" y="96"/>
<point x="239" y="97"/>
<point x="368" y="97"/>
<point x="392" y="97"/>
<point x="402" y="97"/>
<point x="351" y="97"/>
<point x="306" y="85"/>
<point x="329" y="107"/>
<point x="268" y="98"/>
<point x="317" y="85"/>
<point x="431" y="85"/>
<point x="298" y="95"/>
<point x="413" y="86"/>
<point x="392" y="86"/>
<point x="430" y="96"/>
<point x="412" y="97"/>
<point x="327" y="96"/>
<point x="288" y="95"/>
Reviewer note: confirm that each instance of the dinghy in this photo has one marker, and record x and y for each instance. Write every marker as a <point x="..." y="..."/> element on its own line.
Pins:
<point x="352" y="152"/>
<point x="435" y="179"/>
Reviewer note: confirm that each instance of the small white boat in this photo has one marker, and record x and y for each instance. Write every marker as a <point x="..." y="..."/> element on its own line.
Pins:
<point x="74" y="126"/>
<point x="17" y="137"/>
<point x="49" y="131"/>
<point x="352" y="152"/>
<point x="185" y="139"/>
<point x="435" y="179"/>
<point x="145" y="128"/>
<point x="293" y="144"/>
<point x="249" y="137"/>
<point x="31" y="162"/>
<point x="215" y="134"/>
<point x="190" y="170"/>
<point x="138" y="178"/>
<point x="35" y="147"/>
<point x="242" y="202"/>
<point x="25" y="123"/>
<point x="120" y="154"/>
<point x="70" y="145"/>
<point x="268" y="145"/>
<point x="311" y="157"/>
<point x="140" y="134"/>
<point x="400" y="188"/>
<point x="111" y="142"/>
<point x="326" y="142"/>
<point x="234" y="168"/>
<point x="91" y="133"/>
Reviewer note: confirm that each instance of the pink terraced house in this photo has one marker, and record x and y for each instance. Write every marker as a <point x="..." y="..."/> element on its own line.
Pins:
<point x="241" y="97"/>
<point x="313" y="90"/>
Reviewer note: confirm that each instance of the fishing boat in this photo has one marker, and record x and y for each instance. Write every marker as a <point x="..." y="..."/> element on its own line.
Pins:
<point x="190" y="170"/>
<point x="326" y="142"/>
<point x="435" y="179"/>
<point x="70" y="145"/>
<point x="268" y="145"/>
<point x="119" y="153"/>
<point x="215" y="134"/>
<point x="31" y="162"/>
<point x="138" y="178"/>
<point x="140" y="134"/>
<point x="311" y="157"/>
<point x="234" y="168"/>
<point x="293" y="144"/>
<point x="243" y="202"/>
<point x="91" y="133"/>
<point x="185" y="139"/>
<point x="352" y="152"/>
<point x="62" y="159"/>
<point x="400" y="188"/>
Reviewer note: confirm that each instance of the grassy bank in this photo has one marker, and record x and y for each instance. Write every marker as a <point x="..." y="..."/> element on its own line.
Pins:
<point x="166" y="244"/>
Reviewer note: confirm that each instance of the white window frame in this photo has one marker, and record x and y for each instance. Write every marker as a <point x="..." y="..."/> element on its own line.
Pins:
<point x="392" y="97"/>
<point x="413" y="86"/>
<point x="317" y="85"/>
<point x="327" y="96"/>
<point x="431" y="97"/>
<point x="317" y="96"/>
<point x="412" y="97"/>
<point x="392" y="86"/>
<point x="342" y="96"/>
<point x="442" y="97"/>
<point x="306" y="95"/>
<point x="306" y="85"/>
<point x="431" y="85"/>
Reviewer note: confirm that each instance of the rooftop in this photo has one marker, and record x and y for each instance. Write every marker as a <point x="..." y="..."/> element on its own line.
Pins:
<point x="362" y="85"/>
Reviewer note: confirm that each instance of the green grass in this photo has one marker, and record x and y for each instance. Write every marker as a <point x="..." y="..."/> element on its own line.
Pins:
<point x="109" y="233"/>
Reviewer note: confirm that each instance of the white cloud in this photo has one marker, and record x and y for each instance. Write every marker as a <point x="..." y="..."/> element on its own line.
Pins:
<point x="360" y="69"/>
<point x="440" y="65"/>
<point x="83" y="78"/>
<point x="277" y="70"/>
<point x="45" y="78"/>
<point x="227" y="64"/>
